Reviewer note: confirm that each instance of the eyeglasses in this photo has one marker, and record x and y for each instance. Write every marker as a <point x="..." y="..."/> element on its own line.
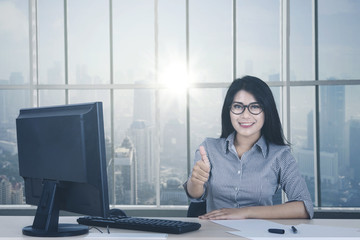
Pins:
<point x="238" y="108"/>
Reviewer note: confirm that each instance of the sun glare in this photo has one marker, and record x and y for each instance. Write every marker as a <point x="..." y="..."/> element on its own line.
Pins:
<point x="174" y="77"/>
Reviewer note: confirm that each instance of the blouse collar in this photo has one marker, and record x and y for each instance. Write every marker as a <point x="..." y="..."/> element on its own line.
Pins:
<point x="261" y="144"/>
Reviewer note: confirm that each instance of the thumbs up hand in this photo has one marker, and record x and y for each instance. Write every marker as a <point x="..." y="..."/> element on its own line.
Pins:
<point x="201" y="170"/>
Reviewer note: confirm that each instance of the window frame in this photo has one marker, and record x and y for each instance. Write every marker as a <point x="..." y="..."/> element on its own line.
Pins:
<point x="285" y="84"/>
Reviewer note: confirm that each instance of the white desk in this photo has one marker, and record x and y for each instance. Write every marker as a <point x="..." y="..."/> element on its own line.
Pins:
<point x="11" y="227"/>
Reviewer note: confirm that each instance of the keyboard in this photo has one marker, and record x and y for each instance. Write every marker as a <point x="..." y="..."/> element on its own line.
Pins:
<point x="143" y="224"/>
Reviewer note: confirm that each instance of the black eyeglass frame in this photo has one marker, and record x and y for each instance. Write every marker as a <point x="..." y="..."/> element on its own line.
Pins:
<point x="248" y="108"/>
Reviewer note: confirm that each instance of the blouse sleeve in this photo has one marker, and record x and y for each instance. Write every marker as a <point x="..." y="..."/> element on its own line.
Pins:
<point x="293" y="183"/>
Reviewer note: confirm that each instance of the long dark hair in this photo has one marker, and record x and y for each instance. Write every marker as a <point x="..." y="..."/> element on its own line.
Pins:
<point x="272" y="129"/>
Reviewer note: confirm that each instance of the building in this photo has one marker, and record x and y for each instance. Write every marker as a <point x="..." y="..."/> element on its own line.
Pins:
<point x="5" y="190"/>
<point x="125" y="174"/>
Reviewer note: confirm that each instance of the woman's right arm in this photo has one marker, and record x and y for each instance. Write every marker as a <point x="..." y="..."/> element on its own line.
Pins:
<point x="200" y="175"/>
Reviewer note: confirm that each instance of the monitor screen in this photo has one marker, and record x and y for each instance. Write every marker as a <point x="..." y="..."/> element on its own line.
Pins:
<point x="62" y="160"/>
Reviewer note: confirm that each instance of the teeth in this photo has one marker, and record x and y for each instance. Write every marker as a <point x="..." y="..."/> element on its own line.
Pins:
<point x="246" y="124"/>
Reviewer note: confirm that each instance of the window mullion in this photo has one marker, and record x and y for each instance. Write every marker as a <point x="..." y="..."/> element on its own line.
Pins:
<point x="317" y="177"/>
<point x="33" y="38"/>
<point x="285" y="69"/>
<point x="66" y="52"/>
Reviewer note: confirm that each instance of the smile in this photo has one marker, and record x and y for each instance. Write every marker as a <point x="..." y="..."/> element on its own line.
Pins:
<point x="246" y="125"/>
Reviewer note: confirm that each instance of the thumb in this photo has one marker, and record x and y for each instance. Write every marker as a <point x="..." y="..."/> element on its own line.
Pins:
<point x="204" y="157"/>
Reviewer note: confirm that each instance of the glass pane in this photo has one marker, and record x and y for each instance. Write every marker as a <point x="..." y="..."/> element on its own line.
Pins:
<point x="301" y="38"/>
<point x="258" y="52"/>
<point x="134" y="41"/>
<point x="88" y="41"/>
<point x="14" y="42"/>
<point x="172" y="109"/>
<point x="135" y="166"/>
<point x="302" y="132"/>
<point x="172" y="44"/>
<point x="339" y="39"/>
<point x="83" y="96"/>
<point x="339" y="145"/>
<point x="11" y="101"/>
<point x="173" y="144"/>
<point x="122" y="173"/>
<point x="210" y="34"/>
<point x="51" y="42"/>
<point x="51" y="97"/>
<point x="205" y="116"/>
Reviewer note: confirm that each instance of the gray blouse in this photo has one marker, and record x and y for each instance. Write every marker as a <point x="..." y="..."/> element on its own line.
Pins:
<point x="253" y="179"/>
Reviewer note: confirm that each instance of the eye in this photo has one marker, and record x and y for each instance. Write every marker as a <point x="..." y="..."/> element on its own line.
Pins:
<point x="255" y="106"/>
<point x="237" y="106"/>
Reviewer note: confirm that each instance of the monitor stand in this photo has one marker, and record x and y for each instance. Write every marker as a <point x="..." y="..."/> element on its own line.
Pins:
<point x="46" y="221"/>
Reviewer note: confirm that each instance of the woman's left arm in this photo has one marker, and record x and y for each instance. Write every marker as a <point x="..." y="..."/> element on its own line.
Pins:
<point x="294" y="209"/>
<point x="294" y="184"/>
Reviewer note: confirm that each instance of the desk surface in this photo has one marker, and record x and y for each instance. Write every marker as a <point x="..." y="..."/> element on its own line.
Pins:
<point x="11" y="227"/>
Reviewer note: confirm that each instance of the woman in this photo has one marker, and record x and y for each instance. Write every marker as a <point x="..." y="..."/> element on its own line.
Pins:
<point x="238" y="173"/>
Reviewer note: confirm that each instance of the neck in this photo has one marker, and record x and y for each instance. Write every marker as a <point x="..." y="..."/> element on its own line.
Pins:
<point x="244" y="144"/>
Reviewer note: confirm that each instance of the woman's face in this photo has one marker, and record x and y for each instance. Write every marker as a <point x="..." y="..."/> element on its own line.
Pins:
<point x="247" y="124"/>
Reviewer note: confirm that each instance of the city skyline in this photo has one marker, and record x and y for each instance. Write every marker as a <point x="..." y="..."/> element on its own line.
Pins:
<point x="141" y="135"/>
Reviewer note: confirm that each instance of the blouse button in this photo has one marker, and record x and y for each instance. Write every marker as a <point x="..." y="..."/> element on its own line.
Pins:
<point x="239" y="172"/>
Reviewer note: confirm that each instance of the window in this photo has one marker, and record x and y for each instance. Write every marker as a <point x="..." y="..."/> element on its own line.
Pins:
<point x="162" y="69"/>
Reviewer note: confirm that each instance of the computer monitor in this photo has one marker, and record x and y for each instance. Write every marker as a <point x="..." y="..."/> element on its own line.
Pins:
<point x="62" y="160"/>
